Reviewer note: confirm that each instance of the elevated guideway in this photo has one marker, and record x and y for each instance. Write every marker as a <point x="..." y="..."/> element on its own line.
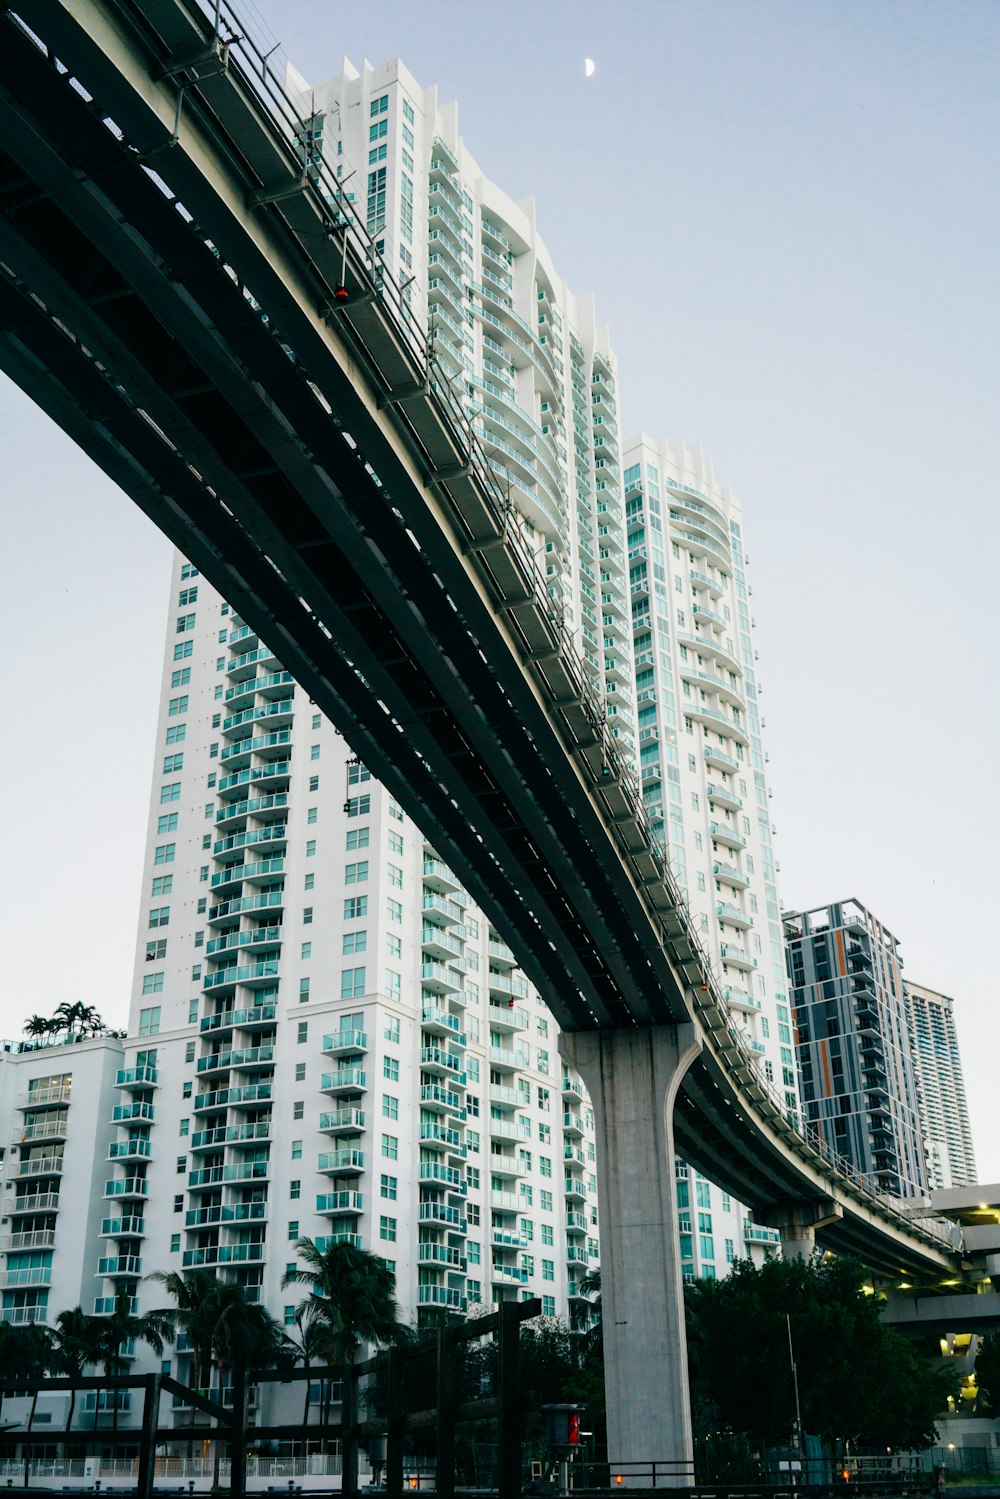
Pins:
<point x="203" y="315"/>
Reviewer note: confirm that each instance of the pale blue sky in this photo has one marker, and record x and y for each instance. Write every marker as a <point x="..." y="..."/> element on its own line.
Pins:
<point x="789" y="215"/>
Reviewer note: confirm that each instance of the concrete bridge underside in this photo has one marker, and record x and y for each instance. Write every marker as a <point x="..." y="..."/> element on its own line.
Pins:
<point x="167" y="295"/>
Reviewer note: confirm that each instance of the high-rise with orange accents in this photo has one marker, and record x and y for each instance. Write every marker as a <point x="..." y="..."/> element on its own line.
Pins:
<point x="855" y="1043"/>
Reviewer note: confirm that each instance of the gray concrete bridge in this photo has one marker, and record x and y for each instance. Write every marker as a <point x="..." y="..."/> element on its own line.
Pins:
<point x="206" y="320"/>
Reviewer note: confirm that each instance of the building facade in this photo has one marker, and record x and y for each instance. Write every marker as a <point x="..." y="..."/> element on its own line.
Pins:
<point x="327" y="1038"/>
<point x="704" y="780"/>
<point x="855" y="1043"/>
<point x="57" y="1108"/>
<point x="527" y="357"/>
<point x="944" y="1114"/>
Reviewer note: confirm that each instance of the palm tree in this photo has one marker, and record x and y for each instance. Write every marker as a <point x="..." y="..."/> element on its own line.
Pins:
<point x="65" y="1017"/>
<point x="223" y="1326"/>
<point x="37" y="1026"/>
<point x="122" y="1326"/>
<point x="351" y="1293"/>
<point x="89" y="1021"/>
<point x="75" y="1345"/>
<point x="311" y="1346"/>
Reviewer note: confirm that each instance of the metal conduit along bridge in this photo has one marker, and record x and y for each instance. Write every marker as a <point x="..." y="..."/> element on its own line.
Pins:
<point x="195" y="303"/>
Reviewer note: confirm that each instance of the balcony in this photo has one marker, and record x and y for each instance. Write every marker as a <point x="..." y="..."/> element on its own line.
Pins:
<point x="441" y="1254"/>
<point x="45" y="1098"/>
<point x="344" y="1083"/>
<point x="508" y="1275"/>
<point x="721" y="832"/>
<point x="46" y="1165"/>
<point x="441" y="909"/>
<point x="129" y="1186"/>
<point x="37" y="1202"/>
<point x="733" y="915"/>
<point x="441" y="1100"/>
<point x="438" y="877"/>
<point x="738" y="999"/>
<point x="127" y="1113"/>
<point x="574" y="1153"/>
<point x="506" y="1166"/>
<point x="231" y="1134"/>
<point x="507" y="1129"/>
<point x="39" y="1238"/>
<point x="506" y="986"/>
<point x="445" y="1217"/>
<point x="736" y="957"/>
<point x="439" y="979"/>
<point x="575" y="1189"/>
<point x="506" y="1098"/>
<point x="505" y="1020"/>
<point x="439" y="1137"/>
<point x="728" y="874"/>
<point x="130" y="1150"/>
<point x="572" y="1090"/>
<point x="244" y="1097"/>
<point x="341" y="1162"/>
<point x="121" y="1265"/>
<point x="247" y="1057"/>
<point x="502" y="1059"/>
<point x="52" y="1128"/>
<point x="227" y="1020"/>
<point x="507" y="1238"/>
<point x="572" y="1125"/>
<point x="576" y="1223"/>
<point x="506" y="1202"/>
<point x="346" y="1043"/>
<point x="436" y="943"/>
<point x="446" y="1177"/>
<point x="342" y="1122"/>
<point x="440" y="1022"/>
<point x="724" y="796"/>
<point x="445" y="1296"/>
<point x="240" y="1212"/>
<point x="123" y="1228"/>
<point x="499" y="953"/>
<point x="444" y="1064"/>
<point x="577" y="1256"/>
<point x="335" y="1203"/>
<point x="719" y="760"/>
<point x="136" y="1078"/>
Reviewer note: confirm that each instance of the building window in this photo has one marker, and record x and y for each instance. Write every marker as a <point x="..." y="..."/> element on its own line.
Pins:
<point x="352" y="983"/>
<point x="356" y="874"/>
<point x="390" y="1147"/>
<point x="388" y="1187"/>
<point x="355" y="906"/>
<point x="152" y="983"/>
<point x="358" y="838"/>
<point x="391" y="1031"/>
<point x="394" y="875"/>
<point x="149" y="1019"/>
<point x="390" y="1068"/>
<point x="390" y="1107"/>
<point x="159" y="916"/>
<point x="164" y="854"/>
<point x="302" y="1035"/>
<point x="295" y="1189"/>
<point x="355" y="942"/>
<point x="387" y="1229"/>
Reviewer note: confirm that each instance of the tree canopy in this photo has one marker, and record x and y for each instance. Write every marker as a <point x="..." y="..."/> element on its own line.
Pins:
<point x="858" y="1380"/>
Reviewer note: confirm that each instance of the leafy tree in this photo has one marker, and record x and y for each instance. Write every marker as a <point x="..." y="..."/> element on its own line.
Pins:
<point x="857" y="1379"/>
<point x="351" y="1294"/>
<point x="988" y="1372"/>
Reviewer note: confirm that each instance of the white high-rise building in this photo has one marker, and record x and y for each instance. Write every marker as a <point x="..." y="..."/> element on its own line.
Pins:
<point x="326" y="1036"/>
<point x="57" y="1100"/>
<point x="528" y="358"/>
<point x="703" y="769"/>
<point x="944" y="1114"/>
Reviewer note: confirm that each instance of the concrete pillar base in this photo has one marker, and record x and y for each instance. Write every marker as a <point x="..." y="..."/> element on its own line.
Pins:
<point x="632" y="1077"/>
<point x="797" y="1223"/>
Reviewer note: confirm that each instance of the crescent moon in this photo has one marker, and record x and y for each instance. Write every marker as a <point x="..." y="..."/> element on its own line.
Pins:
<point x="588" y="67"/>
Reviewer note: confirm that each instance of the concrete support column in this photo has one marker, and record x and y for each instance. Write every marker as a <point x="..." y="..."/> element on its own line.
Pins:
<point x="797" y="1223"/>
<point x="632" y="1077"/>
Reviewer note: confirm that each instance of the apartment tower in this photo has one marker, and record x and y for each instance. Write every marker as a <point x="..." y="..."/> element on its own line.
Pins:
<point x="944" y="1114"/>
<point x="327" y="1037"/>
<point x="704" y="777"/>
<point x="855" y="1043"/>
